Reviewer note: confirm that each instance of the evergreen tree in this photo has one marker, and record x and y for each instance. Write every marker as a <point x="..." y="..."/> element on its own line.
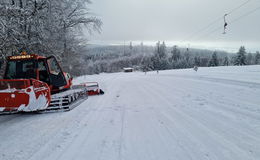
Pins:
<point x="155" y="62"/>
<point x="176" y="53"/>
<point x="159" y="59"/>
<point x="226" y="61"/>
<point x="249" y="59"/>
<point x="214" y="60"/>
<point x="131" y="46"/>
<point x="257" y="58"/>
<point x="146" y="64"/>
<point x="204" y="62"/>
<point x="175" y="57"/>
<point x="196" y="61"/>
<point x="142" y="47"/>
<point x="187" y="58"/>
<point x="241" y="57"/>
<point x="162" y="50"/>
<point x="187" y="55"/>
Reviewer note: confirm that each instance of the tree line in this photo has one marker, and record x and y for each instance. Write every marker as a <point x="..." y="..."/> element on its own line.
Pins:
<point x="160" y="57"/>
<point x="48" y="27"/>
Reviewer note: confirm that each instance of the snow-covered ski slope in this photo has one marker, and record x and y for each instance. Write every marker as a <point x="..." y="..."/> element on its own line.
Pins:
<point x="212" y="114"/>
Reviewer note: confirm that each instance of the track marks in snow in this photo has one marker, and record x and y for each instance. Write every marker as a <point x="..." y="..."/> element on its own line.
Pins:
<point x="197" y="115"/>
<point x="143" y="117"/>
<point x="121" y="141"/>
<point x="99" y="132"/>
<point x="222" y="81"/>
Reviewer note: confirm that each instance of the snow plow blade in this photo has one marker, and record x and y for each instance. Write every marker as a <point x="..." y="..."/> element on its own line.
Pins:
<point x="23" y="96"/>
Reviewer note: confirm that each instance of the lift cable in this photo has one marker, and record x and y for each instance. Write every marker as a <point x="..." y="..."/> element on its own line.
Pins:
<point x="237" y="8"/>
<point x="246" y="14"/>
<point x="233" y="21"/>
<point x="215" y="21"/>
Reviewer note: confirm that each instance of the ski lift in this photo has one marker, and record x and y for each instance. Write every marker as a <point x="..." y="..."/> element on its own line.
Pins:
<point x="225" y="24"/>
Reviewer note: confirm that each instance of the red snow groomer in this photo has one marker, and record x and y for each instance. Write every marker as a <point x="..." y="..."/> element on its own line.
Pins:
<point x="35" y="83"/>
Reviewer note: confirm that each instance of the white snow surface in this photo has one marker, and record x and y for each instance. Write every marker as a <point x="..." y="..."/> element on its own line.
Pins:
<point x="212" y="114"/>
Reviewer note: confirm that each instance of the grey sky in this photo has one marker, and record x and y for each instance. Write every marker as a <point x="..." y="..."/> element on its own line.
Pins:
<point x="174" y="21"/>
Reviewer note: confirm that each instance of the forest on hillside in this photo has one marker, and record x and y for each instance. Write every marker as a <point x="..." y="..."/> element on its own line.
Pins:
<point x="160" y="57"/>
<point x="57" y="28"/>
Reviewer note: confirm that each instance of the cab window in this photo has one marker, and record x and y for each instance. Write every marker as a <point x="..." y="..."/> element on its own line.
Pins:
<point x="43" y="72"/>
<point x="20" y="70"/>
<point x="54" y="67"/>
<point x="57" y="78"/>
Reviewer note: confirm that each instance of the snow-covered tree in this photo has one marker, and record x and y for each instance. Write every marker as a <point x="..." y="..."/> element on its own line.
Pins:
<point x="159" y="59"/>
<point x="145" y="58"/>
<point x="214" y="60"/>
<point x="187" y="55"/>
<point x="131" y="46"/>
<point x="160" y="50"/>
<point x="249" y="59"/>
<point x="197" y="61"/>
<point x="257" y="58"/>
<point x="175" y="53"/>
<point x="241" y="57"/>
<point x="226" y="61"/>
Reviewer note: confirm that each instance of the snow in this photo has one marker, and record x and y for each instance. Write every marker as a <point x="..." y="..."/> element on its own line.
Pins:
<point x="178" y="114"/>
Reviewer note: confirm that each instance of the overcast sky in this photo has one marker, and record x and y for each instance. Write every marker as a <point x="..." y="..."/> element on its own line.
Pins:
<point x="174" y="21"/>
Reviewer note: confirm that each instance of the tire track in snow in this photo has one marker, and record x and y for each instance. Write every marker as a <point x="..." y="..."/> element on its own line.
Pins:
<point x="146" y="121"/>
<point x="48" y="135"/>
<point x="222" y="81"/>
<point x="229" y="99"/>
<point x="95" y="119"/>
<point x="180" y="134"/>
<point x="121" y="132"/>
<point x="148" y="127"/>
<point x="179" y="109"/>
